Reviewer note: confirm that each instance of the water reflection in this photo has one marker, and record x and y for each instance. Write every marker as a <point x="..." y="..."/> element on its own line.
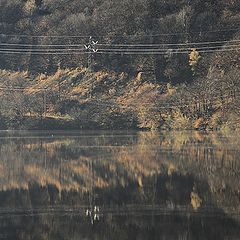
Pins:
<point x="119" y="185"/>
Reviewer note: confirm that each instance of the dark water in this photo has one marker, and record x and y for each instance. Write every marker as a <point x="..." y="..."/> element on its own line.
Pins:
<point x="119" y="185"/>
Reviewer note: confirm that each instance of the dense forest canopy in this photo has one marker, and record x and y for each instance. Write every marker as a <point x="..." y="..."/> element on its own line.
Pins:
<point x="141" y="46"/>
<point x="114" y="22"/>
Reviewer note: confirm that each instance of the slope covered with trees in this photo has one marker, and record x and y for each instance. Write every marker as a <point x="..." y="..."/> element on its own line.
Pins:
<point x="147" y="72"/>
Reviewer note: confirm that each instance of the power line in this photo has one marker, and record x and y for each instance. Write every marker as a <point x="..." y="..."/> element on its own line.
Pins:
<point x="42" y="45"/>
<point x="22" y="88"/>
<point x="122" y="45"/>
<point x="42" y="36"/>
<point x="187" y="33"/>
<point x="166" y="106"/>
<point x="131" y="106"/>
<point x="29" y="50"/>
<point x="121" y="49"/>
<point x="113" y="33"/>
<point x="117" y="49"/>
<point x="120" y="53"/>
<point x="170" y="44"/>
<point x="168" y="49"/>
<point x="44" y="53"/>
<point x="174" y="52"/>
<point x="105" y="50"/>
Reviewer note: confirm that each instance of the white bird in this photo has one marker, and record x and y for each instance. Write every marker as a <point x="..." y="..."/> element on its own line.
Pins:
<point x="95" y="42"/>
<point x="96" y="209"/>
<point x="87" y="47"/>
<point x="95" y="50"/>
<point x="88" y="213"/>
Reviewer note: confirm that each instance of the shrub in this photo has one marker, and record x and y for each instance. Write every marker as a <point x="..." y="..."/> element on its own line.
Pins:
<point x="66" y="106"/>
<point x="196" y="201"/>
<point x="148" y="118"/>
<point x="178" y="121"/>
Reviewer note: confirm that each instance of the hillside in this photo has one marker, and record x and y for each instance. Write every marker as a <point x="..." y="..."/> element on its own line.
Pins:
<point x="169" y="65"/>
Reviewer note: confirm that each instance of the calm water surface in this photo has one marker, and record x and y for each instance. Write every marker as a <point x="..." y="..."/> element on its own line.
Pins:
<point x="119" y="185"/>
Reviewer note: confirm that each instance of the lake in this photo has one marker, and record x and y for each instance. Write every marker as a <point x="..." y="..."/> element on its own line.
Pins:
<point x="119" y="185"/>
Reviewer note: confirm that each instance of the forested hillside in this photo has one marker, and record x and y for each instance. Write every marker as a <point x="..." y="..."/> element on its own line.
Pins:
<point x="120" y="64"/>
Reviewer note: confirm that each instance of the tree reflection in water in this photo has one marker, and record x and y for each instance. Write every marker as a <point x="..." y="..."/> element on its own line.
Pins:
<point x="119" y="185"/>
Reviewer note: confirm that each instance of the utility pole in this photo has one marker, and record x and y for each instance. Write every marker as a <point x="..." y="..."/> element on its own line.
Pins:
<point x="59" y="83"/>
<point x="45" y="102"/>
<point x="89" y="55"/>
<point x="91" y="47"/>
